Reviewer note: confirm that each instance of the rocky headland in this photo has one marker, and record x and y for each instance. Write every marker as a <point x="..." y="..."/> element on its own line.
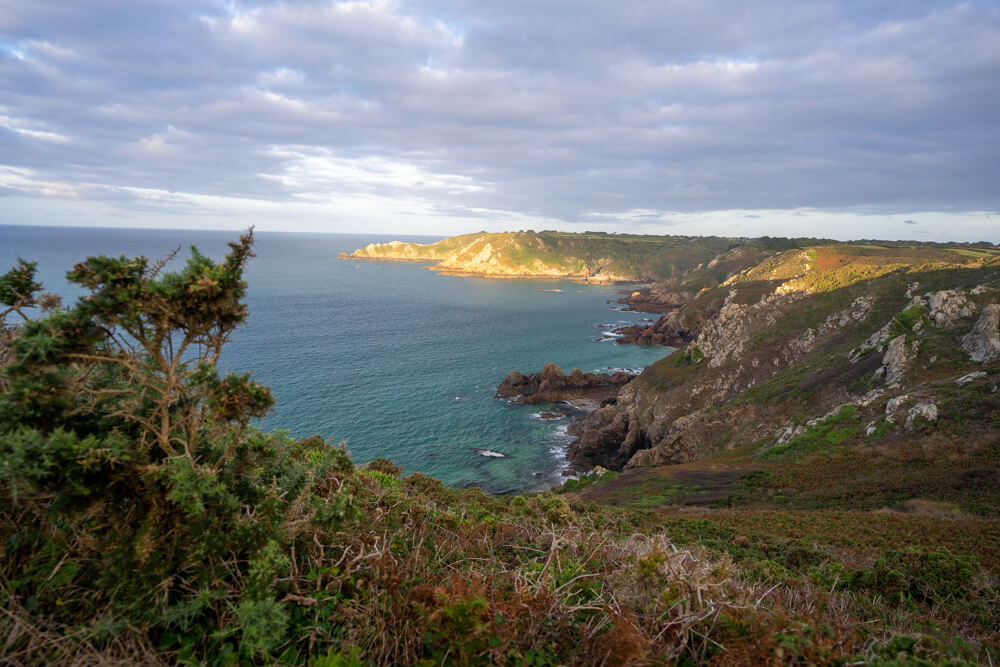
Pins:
<point x="760" y="362"/>
<point x="861" y="345"/>
<point x="591" y="257"/>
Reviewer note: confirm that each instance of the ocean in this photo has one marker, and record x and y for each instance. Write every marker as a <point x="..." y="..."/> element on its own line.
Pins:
<point x="394" y="359"/>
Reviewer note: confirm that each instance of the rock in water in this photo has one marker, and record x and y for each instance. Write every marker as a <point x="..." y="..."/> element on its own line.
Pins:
<point x="552" y="385"/>
<point x="983" y="342"/>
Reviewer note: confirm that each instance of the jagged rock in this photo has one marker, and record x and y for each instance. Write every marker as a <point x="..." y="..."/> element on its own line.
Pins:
<point x="925" y="411"/>
<point x="870" y="397"/>
<point x="857" y="311"/>
<point x="551" y="385"/>
<point x="897" y="359"/>
<point x="983" y="342"/>
<point x="600" y="439"/>
<point x="969" y="377"/>
<point x="893" y="405"/>
<point x="874" y="342"/>
<point x="787" y="433"/>
<point x="831" y="413"/>
<point x="723" y="337"/>
<point x="948" y="306"/>
<point x="806" y="341"/>
<point x="655" y="300"/>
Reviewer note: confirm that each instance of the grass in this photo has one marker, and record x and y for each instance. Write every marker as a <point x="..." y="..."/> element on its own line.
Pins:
<point x="823" y="437"/>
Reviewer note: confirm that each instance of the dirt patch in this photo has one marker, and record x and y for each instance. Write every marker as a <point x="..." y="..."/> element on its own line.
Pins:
<point x="828" y="258"/>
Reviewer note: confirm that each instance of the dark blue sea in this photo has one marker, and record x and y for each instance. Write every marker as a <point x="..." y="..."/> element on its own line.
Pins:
<point x="396" y="360"/>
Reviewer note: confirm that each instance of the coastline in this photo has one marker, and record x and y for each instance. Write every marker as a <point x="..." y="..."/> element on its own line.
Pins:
<point x="579" y="278"/>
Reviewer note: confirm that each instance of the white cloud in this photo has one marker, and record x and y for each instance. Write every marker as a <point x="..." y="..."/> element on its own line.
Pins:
<point x="628" y="113"/>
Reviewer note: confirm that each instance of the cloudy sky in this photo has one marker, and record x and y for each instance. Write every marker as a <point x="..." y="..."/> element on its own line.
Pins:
<point x="851" y="119"/>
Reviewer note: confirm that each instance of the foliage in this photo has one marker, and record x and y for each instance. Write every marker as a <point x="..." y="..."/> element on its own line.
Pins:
<point x="130" y="469"/>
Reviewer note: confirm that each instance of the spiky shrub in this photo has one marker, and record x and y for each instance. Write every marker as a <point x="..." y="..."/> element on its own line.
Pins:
<point x="131" y="482"/>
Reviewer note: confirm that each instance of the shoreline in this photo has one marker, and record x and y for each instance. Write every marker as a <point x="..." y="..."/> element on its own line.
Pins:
<point x="578" y="278"/>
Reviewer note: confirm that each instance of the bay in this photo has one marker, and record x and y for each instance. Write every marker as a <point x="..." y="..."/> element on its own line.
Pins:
<point x="395" y="360"/>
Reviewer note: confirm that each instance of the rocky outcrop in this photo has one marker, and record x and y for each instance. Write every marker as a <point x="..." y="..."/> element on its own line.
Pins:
<point x="601" y="440"/>
<point x="856" y="312"/>
<point x="652" y="300"/>
<point x="983" y="342"/>
<point x="946" y="307"/>
<point x="926" y="412"/>
<point x="552" y="385"/>
<point x="673" y="330"/>
<point x="897" y="359"/>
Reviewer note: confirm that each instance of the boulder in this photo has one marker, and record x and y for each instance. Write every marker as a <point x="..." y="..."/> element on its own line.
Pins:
<point x="927" y="412"/>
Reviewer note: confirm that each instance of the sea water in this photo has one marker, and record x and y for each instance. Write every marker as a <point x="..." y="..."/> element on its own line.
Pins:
<point x="394" y="359"/>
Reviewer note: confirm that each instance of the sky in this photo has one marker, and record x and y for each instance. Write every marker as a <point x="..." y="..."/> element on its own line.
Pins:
<point x="852" y="119"/>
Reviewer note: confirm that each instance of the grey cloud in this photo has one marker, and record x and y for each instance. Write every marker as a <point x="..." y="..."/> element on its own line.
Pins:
<point x="553" y="109"/>
<point x="909" y="222"/>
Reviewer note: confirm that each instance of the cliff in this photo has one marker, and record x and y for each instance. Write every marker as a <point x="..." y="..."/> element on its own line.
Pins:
<point x="830" y="358"/>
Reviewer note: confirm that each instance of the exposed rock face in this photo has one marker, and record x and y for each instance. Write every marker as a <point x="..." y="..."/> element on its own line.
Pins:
<point x="897" y="359"/>
<point x="983" y="342"/>
<point x="946" y="306"/>
<point x="672" y="330"/>
<point x="724" y="337"/>
<point x="553" y="385"/>
<point x="787" y="433"/>
<point x="651" y="300"/>
<point x="856" y="312"/>
<point x="600" y="439"/>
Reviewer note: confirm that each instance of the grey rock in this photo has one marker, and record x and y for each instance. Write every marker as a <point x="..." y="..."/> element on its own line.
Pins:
<point x="897" y="359"/>
<point x="926" y="411"/>
<point x="969" y="377"/>
<point x="983" y="342"/>
<point x="948" y="306"/>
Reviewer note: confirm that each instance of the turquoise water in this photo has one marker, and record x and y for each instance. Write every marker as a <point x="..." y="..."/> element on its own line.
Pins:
<point x="398" y="361"/>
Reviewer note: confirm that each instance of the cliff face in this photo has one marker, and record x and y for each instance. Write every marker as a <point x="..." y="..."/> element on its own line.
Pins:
<point x="800" y="336"/>
<point x="591" y="257"/>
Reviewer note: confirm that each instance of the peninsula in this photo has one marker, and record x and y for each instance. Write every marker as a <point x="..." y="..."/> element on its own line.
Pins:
<point x="594" y="257"/>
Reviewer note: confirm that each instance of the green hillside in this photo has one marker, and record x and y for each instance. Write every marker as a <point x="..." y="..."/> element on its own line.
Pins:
<point x="596" y="257"/>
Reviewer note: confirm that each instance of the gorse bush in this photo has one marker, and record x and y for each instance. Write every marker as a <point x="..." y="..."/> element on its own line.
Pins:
<point x="128" y="466"/>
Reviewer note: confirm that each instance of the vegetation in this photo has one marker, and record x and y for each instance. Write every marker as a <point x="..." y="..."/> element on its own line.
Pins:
<point x="143" y="519"/>
<point x="593" y="255"/>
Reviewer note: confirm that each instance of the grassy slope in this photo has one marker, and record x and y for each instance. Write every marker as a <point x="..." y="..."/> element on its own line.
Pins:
<point x="834" y="488"/>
